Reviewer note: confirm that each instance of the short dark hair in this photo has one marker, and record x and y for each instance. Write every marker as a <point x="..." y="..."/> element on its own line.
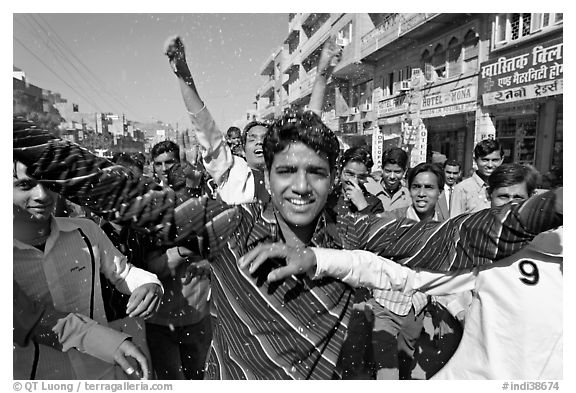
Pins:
<point x="357" y="154"/>
<point x="250" y="125"/>
<point x="452" y="163"/>
<point x="305" y="127"/>
<point x="165" y="147"/>
<point x="395" y="155"/>
<point x="507" y="175"/>
<point x="233" y="129"/>
<point x="487" y="146"/>
<point x="427" y="167"/>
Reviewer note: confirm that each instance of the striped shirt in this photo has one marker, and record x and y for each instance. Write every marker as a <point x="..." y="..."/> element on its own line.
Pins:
<point x="396" y="301"/>
<point x="293" y="329"/>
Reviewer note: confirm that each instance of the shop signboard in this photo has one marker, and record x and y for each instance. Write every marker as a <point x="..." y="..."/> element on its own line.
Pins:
<point x="377" y="147"/>
<point x="448" y="99"/>
<point x="533" y="72"/>
<point x="394" y="106"/>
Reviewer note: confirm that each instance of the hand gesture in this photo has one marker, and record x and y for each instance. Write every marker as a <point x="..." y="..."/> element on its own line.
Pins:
<point x="298" y="260"/>
<point x="197" y="269"/>
<point x="174" y="49"/>
<point x="330" y="56"/>
<point x="188" y="149"/>
<point x="129" y="349"/>
<point x="144" y="301"/>
<point x="354" y="193"/>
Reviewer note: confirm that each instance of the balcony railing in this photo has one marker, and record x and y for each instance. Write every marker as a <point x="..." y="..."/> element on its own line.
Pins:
<point x="307" y="82"/>
<point x="267" y="88"/>
<point x="394" y="26"/>
<point x="294" y="91"/>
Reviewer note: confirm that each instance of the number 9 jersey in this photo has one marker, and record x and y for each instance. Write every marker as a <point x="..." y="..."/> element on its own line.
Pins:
<point x="513" y="327"/>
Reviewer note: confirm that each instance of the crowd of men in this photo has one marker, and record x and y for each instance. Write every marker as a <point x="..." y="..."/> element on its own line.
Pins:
<point x="269" y="253"/>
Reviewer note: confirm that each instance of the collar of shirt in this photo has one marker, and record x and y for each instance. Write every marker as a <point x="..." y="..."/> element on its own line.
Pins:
<point x="57" y="225"/>
<point x="481" y="183"/>
<point x="411" y="214"/>
<point x="326" y="233"/>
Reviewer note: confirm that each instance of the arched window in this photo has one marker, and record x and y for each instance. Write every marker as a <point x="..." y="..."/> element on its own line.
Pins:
<point x="439" y="61"/>
<point x="426" y="65"/>
<point x="470" y="49"/>
<point x="454" y="57"/>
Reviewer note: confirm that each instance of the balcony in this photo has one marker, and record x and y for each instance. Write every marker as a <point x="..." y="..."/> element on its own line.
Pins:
<point x="294" y="91"/>
<point x="392" y="27"/>
<point x="315" y="41"/>
<point x="294" y="21"/>
<point x="307" y="82"/>
<point x="267" y="112"/>
<point x="267" y="68"/>
<point x="312" y="22"/>
<point x="268" y="89"/>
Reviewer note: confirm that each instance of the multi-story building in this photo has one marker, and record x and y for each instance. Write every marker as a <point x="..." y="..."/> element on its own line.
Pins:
<point x="432" y="83"/>
<point x="521" y="87"/>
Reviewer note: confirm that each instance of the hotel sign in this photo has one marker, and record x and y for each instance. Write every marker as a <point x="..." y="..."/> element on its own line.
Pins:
<point x="534" y="72"/>
<point x="448" y="100"/>
<point x="392" y="106"/>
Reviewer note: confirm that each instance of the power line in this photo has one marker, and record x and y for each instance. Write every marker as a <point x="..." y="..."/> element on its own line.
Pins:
<point x="122" y="103"/>
<point x="58" y="76"/>
<point x="71" y="75"/>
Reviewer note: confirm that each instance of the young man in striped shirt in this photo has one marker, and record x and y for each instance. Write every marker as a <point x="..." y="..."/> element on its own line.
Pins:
<point x="293" y="329"/>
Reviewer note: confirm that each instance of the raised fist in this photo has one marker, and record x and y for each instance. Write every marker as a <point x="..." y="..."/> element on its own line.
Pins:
<point x="174" y="49"/>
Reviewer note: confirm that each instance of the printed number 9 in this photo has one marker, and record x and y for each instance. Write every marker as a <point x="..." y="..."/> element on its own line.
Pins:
<point x="530" y="272"/>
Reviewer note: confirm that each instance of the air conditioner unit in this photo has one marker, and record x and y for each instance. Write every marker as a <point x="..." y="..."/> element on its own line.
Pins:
<point x="354" y="110"/>
<point x="404" y="85"/>
<point x="341" y="41"/>
<point x="415" y="73"/>
<point x="367" y="107"/>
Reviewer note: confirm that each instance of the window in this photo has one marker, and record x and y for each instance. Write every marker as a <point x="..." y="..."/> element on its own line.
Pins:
<point x="454" y="57"/>
<point x="541" y="21"/>
<point x="470" y="47"/>
<point x="390" y="87"/>
<point x="345" y="35"/>
<point x="511" y="27"/>
<point x="439" y="61"/>
<point x="426" y="65"/>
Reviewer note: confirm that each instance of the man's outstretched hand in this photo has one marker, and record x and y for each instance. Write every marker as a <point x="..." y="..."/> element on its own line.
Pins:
<point x="299" y="260"/>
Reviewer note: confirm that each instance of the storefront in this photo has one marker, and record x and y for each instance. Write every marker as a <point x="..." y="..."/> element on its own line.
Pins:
<point x="522" y="91"/>
<point x="448" y="112"/>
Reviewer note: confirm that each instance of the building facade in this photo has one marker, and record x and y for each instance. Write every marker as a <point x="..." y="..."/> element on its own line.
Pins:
<point x="434" y="84"/>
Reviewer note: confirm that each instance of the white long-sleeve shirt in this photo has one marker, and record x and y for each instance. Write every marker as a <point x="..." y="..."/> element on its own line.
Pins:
<point x="513" y="328"/>
<point x="232" y="174"/>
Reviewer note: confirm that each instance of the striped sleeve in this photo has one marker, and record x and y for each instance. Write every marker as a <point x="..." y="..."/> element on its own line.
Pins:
<point x="467" y="240"/>
<point x="114" y="192"/>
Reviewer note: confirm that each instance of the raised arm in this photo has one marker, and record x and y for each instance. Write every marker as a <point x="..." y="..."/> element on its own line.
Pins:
<point x="329" y="58"/>
<point x="218" y="158"/>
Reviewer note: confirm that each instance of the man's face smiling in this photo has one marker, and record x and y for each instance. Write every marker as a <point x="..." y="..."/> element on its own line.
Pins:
<point x="488" y="163"/>
<point x="299" y="181"/>
<point x="451" y="174"/>
<point x="31" y="200"/>
<point x="253" y="148"/>
<point x="391" y="176"/>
